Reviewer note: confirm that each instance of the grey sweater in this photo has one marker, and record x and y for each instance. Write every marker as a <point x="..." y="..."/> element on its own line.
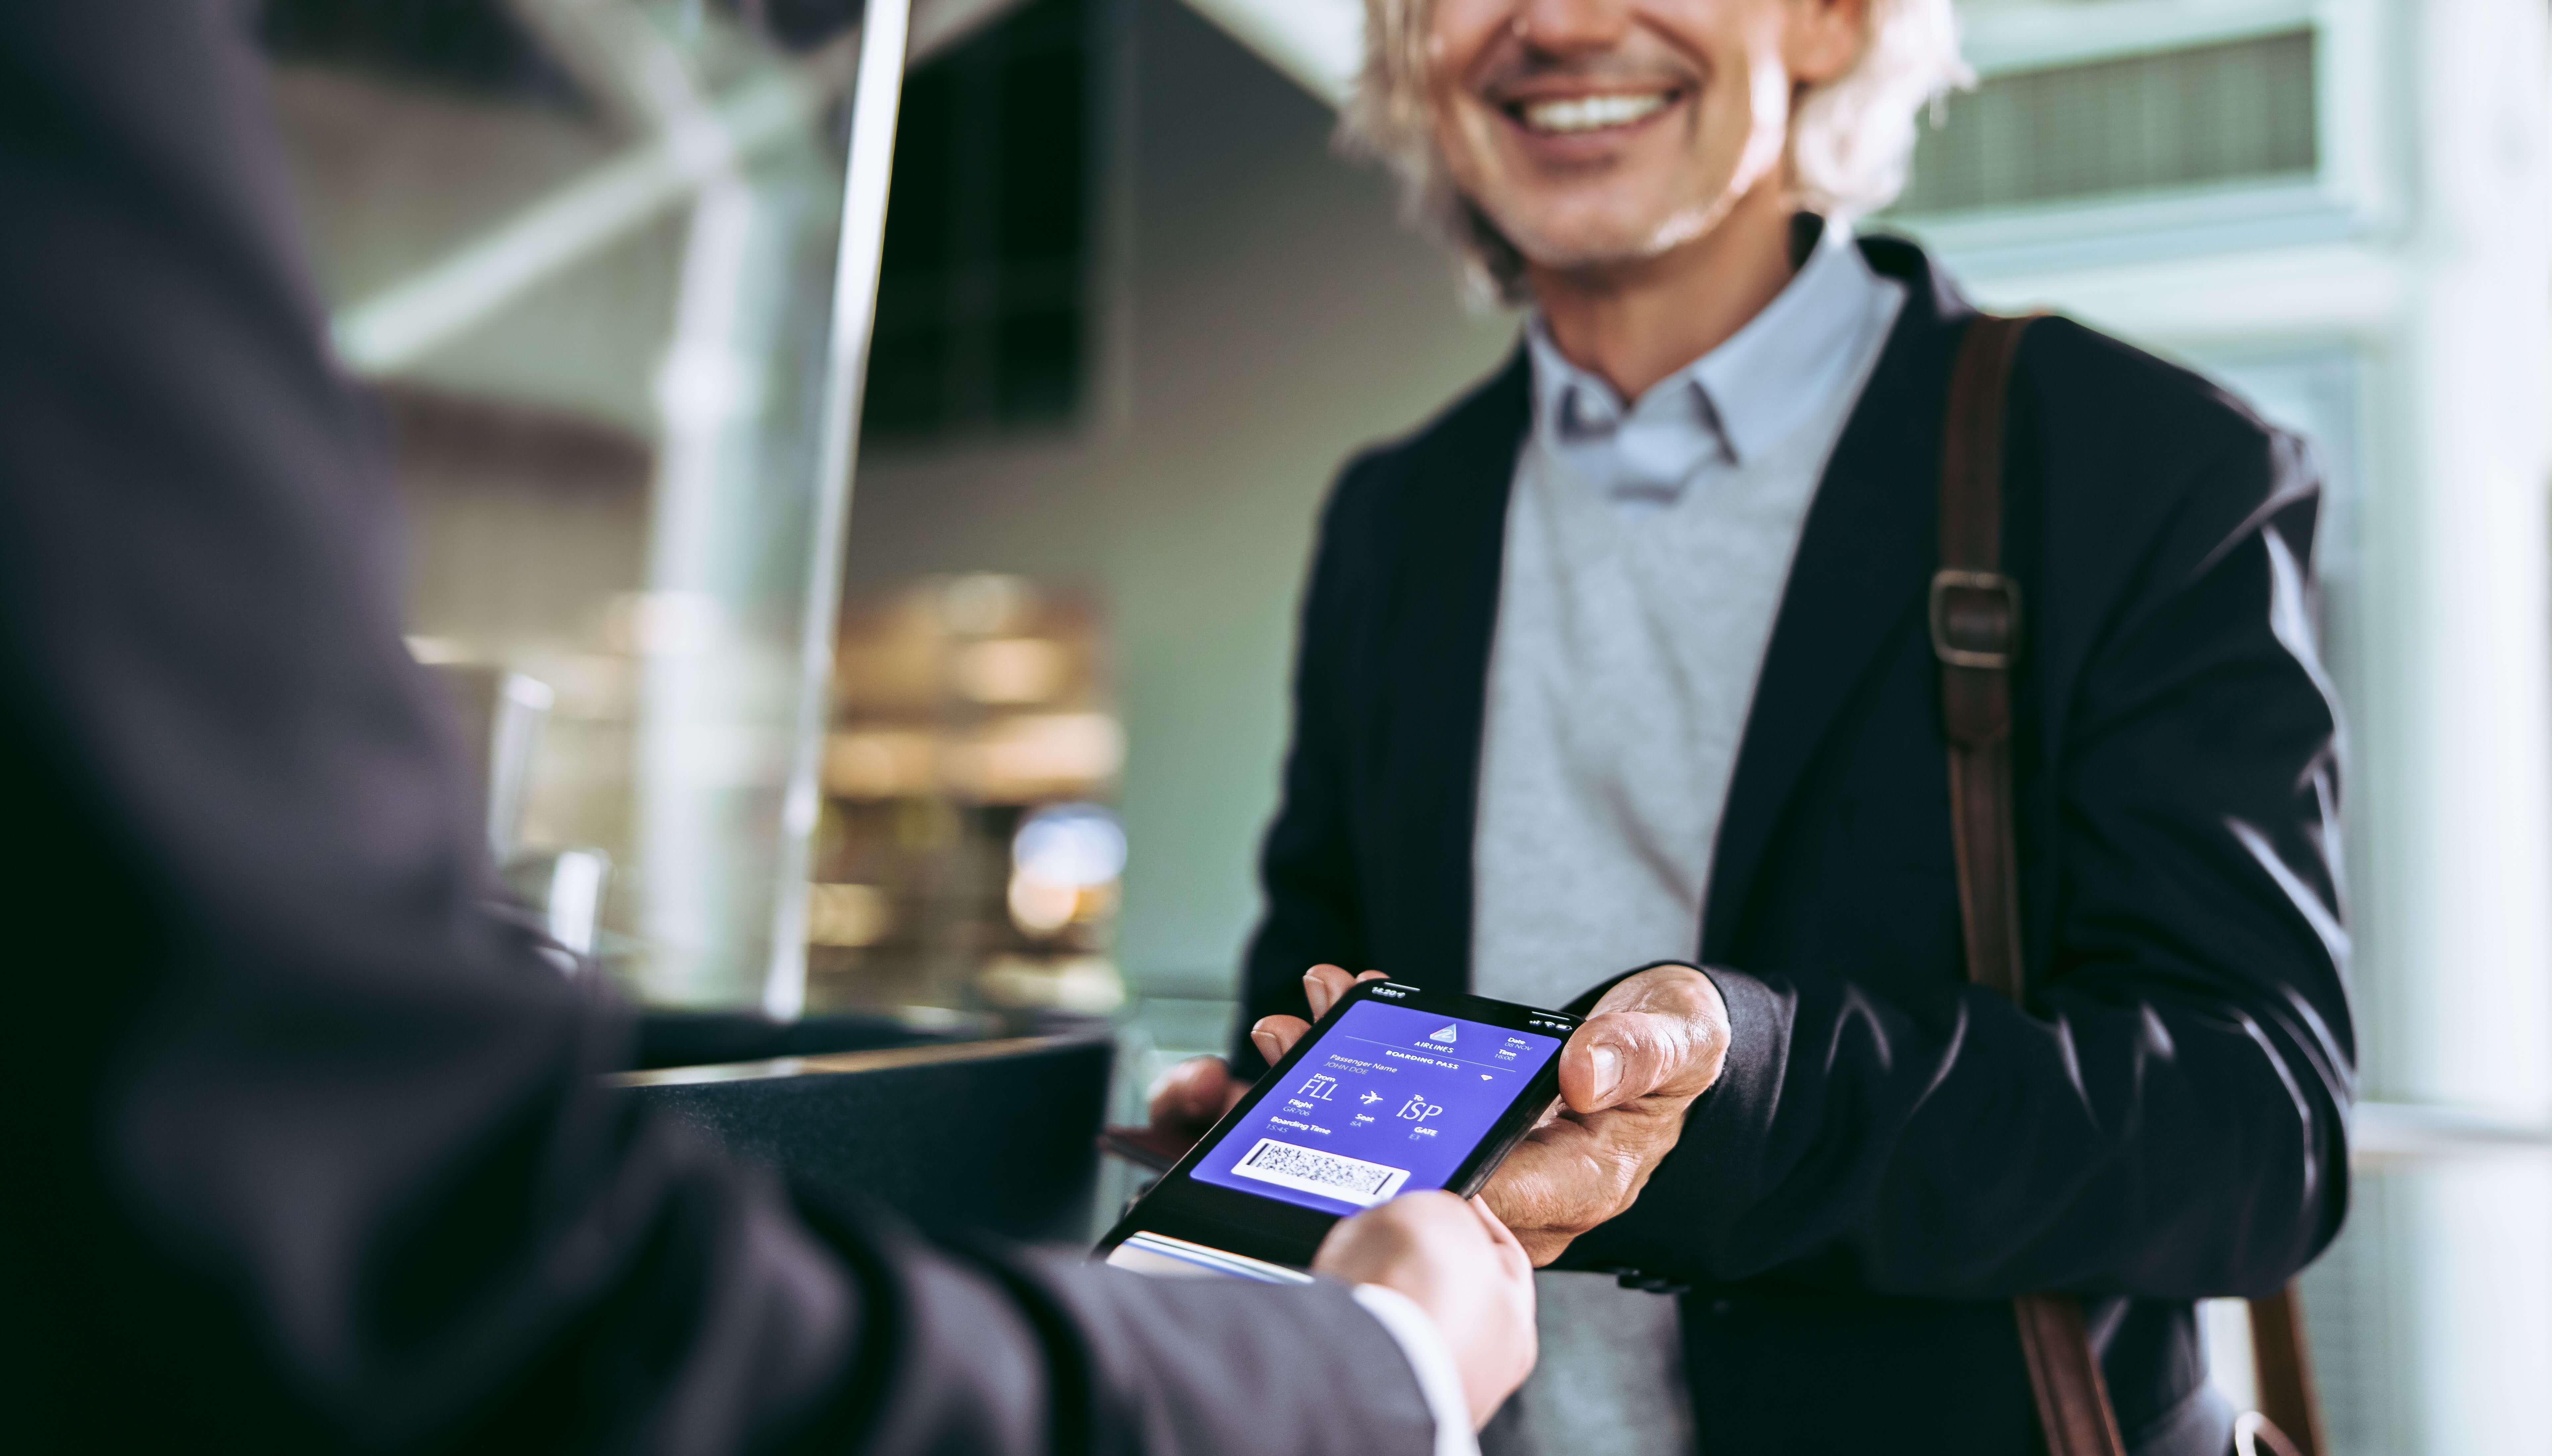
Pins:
<point x="1646" y="555"/>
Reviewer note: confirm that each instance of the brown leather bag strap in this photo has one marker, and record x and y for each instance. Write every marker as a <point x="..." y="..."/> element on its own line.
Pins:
<point x="1975" y="615"/>
<point x="2281" y="1364"/>
<point x="1975" y="633"/>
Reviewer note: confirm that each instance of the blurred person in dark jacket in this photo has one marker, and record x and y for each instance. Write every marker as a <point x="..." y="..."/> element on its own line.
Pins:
<point x="308" y="1150"/>
<point x="1616" y="689"/>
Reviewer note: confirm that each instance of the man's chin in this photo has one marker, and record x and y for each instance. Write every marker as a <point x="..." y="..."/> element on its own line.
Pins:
<point x="1582" y="255"/>
<point x="1595" y="251"/>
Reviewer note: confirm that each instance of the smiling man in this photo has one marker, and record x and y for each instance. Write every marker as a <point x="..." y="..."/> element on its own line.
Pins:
<point x="1617" y="688"/>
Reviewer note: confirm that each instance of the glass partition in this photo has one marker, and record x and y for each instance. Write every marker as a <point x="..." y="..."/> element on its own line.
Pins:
<point x="585" y="251"/>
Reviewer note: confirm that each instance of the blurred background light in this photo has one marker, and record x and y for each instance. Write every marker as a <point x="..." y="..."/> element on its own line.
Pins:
<point x="1076" y="845"/>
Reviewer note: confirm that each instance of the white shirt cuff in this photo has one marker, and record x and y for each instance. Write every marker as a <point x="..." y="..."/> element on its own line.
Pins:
<point x="1438" y="1380"/>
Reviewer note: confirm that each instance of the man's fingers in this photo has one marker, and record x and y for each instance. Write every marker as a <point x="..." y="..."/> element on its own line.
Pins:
<point x="1557" y="1182"/>
<point x="1662" y="1031"/>
<point x="1618" y="1056"/>
<point x="1575" y="1172"/>
<point x="1274" y="1036"/>
<point x="1654" y="1043"/>
<point x="1192" y="1094"/>
<point x="1325" y="984"/>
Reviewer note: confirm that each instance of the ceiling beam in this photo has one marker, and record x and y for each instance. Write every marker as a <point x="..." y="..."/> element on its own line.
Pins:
<point x="475" y="281"/>
<point x="1317" y="43"/>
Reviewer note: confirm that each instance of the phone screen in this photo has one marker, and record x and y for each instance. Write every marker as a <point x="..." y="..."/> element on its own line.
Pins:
<point x="1389" y="1099"/>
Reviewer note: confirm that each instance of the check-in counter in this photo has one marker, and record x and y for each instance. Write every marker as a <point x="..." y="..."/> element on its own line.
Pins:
<point x="972" y="1136"/>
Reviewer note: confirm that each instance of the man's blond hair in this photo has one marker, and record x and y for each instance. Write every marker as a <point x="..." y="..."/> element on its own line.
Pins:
<point x="1851" y="138"/>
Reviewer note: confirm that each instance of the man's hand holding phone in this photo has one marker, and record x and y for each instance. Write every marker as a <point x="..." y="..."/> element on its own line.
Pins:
<point x="1451" y="1257"/>
<point x="1189" y="1098"/>
<point x="1653" y="1043"/>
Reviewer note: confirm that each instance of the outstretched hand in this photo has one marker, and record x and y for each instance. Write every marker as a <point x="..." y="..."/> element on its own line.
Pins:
<point x="1652" y="1045"/>
<point x="1463" y="1268"/>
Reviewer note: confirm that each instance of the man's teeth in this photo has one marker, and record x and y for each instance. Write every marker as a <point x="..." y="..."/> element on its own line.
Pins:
<point x="1591" y="113"/>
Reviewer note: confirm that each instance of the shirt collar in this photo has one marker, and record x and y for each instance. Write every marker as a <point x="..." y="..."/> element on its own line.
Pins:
<point x="1747" y="394"/>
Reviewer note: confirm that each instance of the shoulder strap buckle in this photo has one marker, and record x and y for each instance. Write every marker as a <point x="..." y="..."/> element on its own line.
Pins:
<point x="1976" y="620"/>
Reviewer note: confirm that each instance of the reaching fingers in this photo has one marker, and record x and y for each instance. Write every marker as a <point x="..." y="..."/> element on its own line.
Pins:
<point x="1192" y="1094"/>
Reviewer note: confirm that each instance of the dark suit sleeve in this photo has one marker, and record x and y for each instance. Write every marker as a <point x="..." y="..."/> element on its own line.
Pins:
<point x="1307" y="864"/>
<point x="2164" y="1118"/>
<point x="310" y="1149"/>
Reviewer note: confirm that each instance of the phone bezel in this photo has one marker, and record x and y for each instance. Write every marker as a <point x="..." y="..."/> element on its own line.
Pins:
<point x="1288" y="1233"/>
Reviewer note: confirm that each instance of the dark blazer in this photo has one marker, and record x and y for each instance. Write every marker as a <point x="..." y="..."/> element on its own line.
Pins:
<point x="306" y="1148"/>
<point x="1891" y="1150"/>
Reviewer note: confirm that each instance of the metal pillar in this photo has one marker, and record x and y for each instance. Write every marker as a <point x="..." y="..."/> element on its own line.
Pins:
<point x="878" y="95"/>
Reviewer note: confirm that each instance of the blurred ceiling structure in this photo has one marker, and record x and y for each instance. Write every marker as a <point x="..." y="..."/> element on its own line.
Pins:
<point x="1317" y="44"/>
<point x="590" y="58"/>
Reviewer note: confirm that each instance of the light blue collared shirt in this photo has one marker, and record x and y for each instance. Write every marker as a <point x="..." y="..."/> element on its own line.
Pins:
<point x="1647" y="553"/>
<point x="1725" y="408"/>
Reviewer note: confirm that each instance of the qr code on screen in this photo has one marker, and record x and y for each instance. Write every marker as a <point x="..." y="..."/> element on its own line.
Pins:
<point x="1311" y="1167"/>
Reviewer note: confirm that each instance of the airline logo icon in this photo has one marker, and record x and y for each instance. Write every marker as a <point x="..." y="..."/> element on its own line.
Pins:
<point x="1445" y="1034"/>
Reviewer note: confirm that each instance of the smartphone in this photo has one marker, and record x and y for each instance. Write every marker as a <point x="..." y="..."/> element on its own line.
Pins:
<point x="1395" y="1090"/>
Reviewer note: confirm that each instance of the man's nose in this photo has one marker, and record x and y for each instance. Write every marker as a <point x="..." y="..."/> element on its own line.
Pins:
<point x="1571" y="26"/>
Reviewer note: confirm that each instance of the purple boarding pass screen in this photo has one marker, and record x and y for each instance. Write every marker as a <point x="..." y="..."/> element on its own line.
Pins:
<point x="1391" y="1101"/>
